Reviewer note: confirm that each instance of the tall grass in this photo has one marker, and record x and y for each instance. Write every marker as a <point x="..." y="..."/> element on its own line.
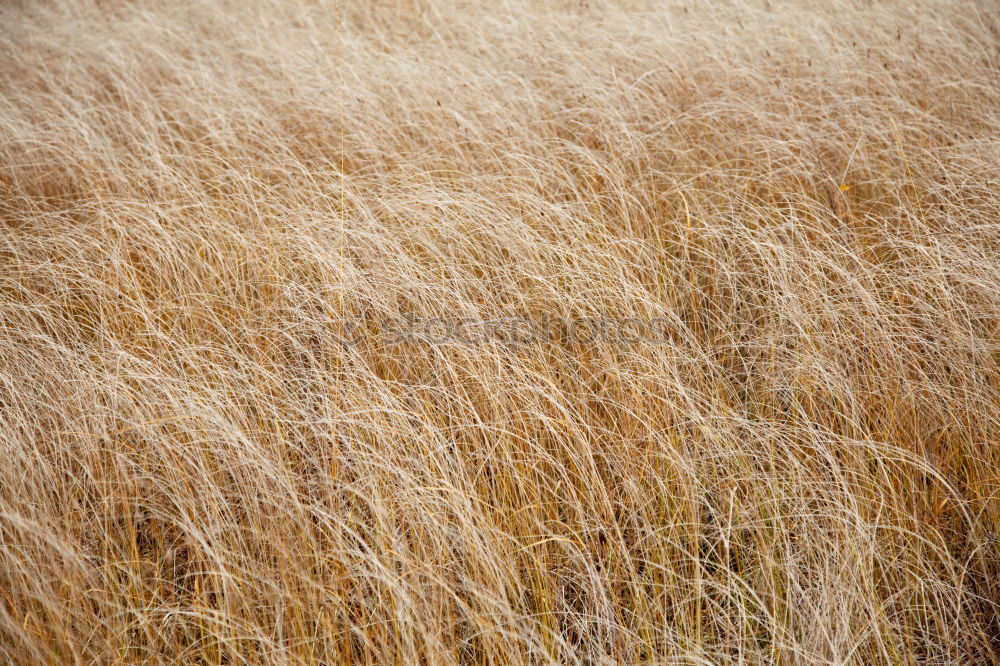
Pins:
<point x="200" y="468"/>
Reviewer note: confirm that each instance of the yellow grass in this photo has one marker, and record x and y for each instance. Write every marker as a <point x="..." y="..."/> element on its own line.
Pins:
<point x="219" y="446"/>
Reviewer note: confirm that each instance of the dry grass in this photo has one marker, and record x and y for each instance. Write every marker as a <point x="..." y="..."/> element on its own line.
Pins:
<point x="198" y="470"/>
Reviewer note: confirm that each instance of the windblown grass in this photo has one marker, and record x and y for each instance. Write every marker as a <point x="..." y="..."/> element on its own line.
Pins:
<point x="198" y="469"/>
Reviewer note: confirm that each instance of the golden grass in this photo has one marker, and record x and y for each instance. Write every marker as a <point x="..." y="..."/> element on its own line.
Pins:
<point x="199" y="467"/>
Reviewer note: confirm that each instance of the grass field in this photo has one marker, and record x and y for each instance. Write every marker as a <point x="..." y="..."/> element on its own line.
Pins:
<point x="243" y="245"/>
